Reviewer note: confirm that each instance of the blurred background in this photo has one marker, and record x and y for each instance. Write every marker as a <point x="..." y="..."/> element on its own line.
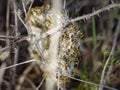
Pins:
<point x="99" y="36"/>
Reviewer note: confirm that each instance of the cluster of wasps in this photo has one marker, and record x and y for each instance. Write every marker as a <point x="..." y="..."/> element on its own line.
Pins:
<point x="39" y="21"/>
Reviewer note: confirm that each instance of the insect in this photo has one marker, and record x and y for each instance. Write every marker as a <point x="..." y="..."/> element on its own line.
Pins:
<point x="40" y="20"/>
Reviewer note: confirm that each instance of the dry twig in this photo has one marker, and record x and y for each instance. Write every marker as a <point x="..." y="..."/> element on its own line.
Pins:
<point x="97" y="12"/>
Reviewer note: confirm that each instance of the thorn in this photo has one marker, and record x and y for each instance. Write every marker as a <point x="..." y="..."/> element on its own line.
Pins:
<point x="86" y="18"/>
<point x="98" y="15"/>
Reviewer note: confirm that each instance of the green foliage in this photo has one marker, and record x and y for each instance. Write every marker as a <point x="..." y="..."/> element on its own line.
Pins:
<point x="106" y="53"/>
<point x="115" y="61"/>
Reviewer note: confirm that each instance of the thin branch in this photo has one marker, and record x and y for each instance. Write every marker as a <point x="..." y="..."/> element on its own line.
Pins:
<point x="24" y="9"/>
<point x="29" y="31"/>
<point x="7" y="20"/>
<point x="16" y="49"/>
<point x="15" y="65"/>
<point x="23" y="76"/>
<point x="32" y="84"/>
<point x="8" y="47"/>
<point x="64" y="4"/>
<point x="30" y="7"/>
<point x="7" y="37"/>
<point x="41" y="83"/>
<point x="53" y="30"/>
<point x="40" y="52"/>
<point x="80" y="80"/>
<point x="97" y="12"/>
<point x="14" y="69"/>
<point x="4" y="49"/>
<point x="111" y="53"/>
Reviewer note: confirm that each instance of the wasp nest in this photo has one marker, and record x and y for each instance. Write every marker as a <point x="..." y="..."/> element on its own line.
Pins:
<point x="40" y="21"/>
